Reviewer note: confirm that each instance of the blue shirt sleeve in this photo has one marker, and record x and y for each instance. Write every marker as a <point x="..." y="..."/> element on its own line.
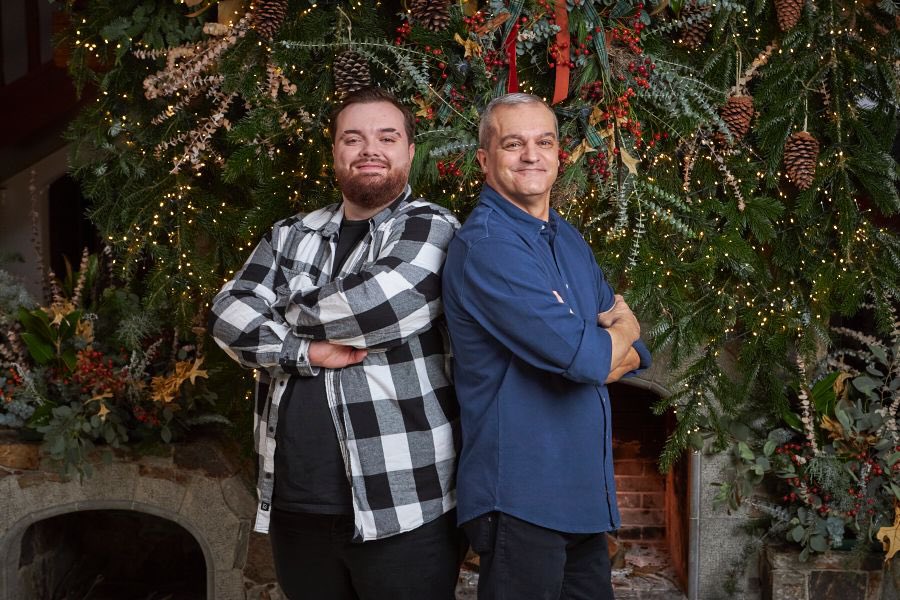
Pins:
<point x="508" y="292"/>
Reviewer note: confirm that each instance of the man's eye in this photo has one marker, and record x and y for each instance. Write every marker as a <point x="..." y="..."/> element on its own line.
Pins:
<point x="546" y="143"/>
<point x="388" y="140"/>
<point x="512" y="145"/>
<point x="351" y="140"/>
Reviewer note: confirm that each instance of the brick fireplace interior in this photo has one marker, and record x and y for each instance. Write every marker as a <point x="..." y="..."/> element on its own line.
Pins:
<point x="654" y="506"/>
<point x="110" y="555"/>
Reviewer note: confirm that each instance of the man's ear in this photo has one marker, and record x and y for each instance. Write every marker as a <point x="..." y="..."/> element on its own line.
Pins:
<point x="412" y="151"/>
<point x="481" y="155"/>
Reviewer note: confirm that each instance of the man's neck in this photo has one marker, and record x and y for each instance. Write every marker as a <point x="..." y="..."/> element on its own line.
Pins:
<point x="355" y="212"/>
<point x="359" y="213"/>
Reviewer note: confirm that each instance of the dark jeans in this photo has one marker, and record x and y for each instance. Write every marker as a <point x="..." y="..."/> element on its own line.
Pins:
<point x="315" y="559"/>
<point x="522" y="561"/>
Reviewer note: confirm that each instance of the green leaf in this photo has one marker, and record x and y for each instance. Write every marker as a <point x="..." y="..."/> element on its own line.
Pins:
<point x="696" y="440"/>
<point x="822" y="394"/>
<point x="865" y="384"/>
<point x="740" y="431"/>
<point x="68" y="325"/>
<point x="769" y="447"/>
<point x="69" y="358"/>
<point x="38" y="323"/>
<point x="879" y="353"/>
<point x="797" y="533"/>
<point x="792" y="420"/>
<point x="818" y="543"/>
<point x="56" y="445"/>
<point x="63" y="412"/>
<point x="745" y="452"/>
<point x="40" y="351"/>
<point x="843" y="418"/>
<point x="896" y="489"/>
<point x="166" y="434"/>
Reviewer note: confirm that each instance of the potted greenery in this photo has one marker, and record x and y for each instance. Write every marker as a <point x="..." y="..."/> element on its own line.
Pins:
<point x="832" y="468"/>
<point x="93" y="367"/>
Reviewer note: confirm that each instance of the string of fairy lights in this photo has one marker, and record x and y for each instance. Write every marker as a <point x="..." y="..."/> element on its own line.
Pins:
<point x="698" y="268"/>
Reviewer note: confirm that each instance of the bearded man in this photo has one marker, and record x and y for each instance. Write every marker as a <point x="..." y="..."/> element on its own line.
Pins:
<point x="340" y="313"/>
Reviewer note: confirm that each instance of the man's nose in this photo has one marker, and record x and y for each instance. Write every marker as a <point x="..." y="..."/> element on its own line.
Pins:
<point x="529" y="152"/>
<point x="369" y="148"/>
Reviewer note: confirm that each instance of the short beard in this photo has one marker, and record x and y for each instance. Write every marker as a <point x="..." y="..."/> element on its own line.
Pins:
<point x="370" y="192"/>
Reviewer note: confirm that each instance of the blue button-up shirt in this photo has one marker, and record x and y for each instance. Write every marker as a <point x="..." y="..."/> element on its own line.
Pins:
<point x="530" y="369"/>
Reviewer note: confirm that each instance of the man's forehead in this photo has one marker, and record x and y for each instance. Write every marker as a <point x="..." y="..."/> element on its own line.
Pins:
<point x="385" y="115"/>
<point x="511" y="117"/>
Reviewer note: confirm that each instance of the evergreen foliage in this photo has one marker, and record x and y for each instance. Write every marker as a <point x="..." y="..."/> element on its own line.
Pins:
<point x="732" y="269"/>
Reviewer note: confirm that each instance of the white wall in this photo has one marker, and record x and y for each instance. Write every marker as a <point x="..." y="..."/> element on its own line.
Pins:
<point x="17" y="195"/>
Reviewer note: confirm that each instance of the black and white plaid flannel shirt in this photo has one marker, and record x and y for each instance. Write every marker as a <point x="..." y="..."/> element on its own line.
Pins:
<point x="395" y="413"/>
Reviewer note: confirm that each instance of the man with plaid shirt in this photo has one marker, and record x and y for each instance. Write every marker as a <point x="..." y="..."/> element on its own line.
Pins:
<point x="339" y="310"/>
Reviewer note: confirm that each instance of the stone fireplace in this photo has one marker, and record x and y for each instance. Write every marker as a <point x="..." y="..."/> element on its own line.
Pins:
<point x="180" y="521"/>
<point x="110" y="554"/>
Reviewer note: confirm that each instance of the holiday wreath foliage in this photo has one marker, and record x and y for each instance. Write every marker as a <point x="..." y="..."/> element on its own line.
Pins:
<point x="729" y="162"/>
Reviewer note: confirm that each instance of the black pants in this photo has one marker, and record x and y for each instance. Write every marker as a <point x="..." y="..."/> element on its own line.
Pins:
<point x="315" y="559"/>
<point x="522" y="561"/>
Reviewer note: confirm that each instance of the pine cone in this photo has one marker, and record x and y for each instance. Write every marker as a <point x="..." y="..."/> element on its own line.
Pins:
<point x="800" y="154"/>
<point x="351" y="72"/>
<point x="268" y="15"/>
<point x="737" y="113"/>
<point x="433" y="15"/>
<point x="698" y="25"/>
<point x="788" y="12"/>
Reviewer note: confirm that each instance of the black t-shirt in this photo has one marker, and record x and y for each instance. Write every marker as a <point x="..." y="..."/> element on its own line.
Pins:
<point x="309" y="470"/>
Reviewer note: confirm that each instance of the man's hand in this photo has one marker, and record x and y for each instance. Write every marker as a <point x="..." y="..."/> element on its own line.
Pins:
<point x="333" y="356"/>
<point x="624" y="330"/>
<point x="631" y="362"/>
<point x="621" y="318"/>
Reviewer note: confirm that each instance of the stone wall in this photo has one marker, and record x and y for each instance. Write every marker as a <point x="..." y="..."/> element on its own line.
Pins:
<point x="830" y="576"/>
<point x="198" y="485"/>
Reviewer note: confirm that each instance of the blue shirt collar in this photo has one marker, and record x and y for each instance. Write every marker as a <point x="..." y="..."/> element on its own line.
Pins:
<point x="522" y="222"/>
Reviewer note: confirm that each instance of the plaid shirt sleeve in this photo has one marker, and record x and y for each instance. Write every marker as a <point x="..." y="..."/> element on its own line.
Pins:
<point x="245" y="323"/>
<point x="390" y="299"/>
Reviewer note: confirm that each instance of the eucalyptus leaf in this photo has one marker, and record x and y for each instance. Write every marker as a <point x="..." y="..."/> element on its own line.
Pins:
<point x="865" y="384"/>
<point x="818" y="543"/>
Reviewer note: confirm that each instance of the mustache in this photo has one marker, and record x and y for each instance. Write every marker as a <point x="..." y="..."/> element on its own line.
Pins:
<point x="369" y="161"/>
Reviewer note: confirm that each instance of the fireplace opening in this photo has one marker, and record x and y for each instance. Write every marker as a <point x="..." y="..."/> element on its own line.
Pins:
<point x="110" y="554"/>
<point x="652" y="543"/>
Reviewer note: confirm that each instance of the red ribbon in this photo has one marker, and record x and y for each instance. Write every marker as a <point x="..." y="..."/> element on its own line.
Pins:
<point x="510" y="44"/>
<point x="561" y="89"/>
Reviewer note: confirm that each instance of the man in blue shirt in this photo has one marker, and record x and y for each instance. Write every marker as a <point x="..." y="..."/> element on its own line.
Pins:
<point x="536" y="332"/>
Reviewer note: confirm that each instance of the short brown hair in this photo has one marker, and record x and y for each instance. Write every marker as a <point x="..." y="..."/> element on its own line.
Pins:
<point x="370" y="95"/>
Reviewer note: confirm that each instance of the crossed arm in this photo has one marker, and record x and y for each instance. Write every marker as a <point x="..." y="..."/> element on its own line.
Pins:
<point x="624" y="330"/>
<point x="262" y="325"/>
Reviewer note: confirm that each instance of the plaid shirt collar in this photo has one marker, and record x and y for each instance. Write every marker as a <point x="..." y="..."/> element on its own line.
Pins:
<point x="328" y="222"/>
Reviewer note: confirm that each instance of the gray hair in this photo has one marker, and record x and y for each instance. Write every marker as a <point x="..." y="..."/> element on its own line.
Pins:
<point x="484" y="127"/>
